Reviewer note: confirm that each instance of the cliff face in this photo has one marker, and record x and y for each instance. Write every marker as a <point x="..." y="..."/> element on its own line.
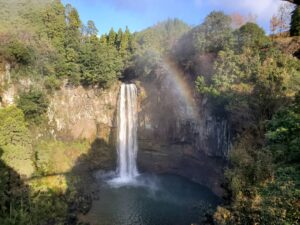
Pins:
<point x="7" y="92"/>
<point x="170" y="140"/>
<point x="79" y="113"/>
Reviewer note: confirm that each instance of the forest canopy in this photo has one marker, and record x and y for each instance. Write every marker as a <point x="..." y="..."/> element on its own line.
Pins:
<point x="247" y="77"/>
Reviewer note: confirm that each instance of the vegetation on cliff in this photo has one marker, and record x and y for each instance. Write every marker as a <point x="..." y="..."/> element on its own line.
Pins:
<point x="256" y="87"/>
<point x="244" y="74"/>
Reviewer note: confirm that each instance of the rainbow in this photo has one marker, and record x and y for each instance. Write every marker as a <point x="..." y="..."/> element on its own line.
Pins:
<point x="183" y="85"/>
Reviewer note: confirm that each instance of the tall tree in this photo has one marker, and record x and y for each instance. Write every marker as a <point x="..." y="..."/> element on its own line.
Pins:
<point x="214" y="34"/>
<point x="125" y="40"/>
<point x="73" y="26"/>
<point x="103" y="39"/>
<point x="72" y="44"/>
<point x="54" y="24"/>
<point x="112" y="37"/>
<point x="251" y="36"/>
<point x="119" y="38"/>
<point x="91" y="28"/>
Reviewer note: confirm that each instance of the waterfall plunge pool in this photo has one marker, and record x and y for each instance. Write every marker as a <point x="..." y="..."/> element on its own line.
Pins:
<point x="127" y="198"/>
<point x="151" y="200"/>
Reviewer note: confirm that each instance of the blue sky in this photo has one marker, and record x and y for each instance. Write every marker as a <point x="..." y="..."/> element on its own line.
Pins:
<point x="140" y="14"/>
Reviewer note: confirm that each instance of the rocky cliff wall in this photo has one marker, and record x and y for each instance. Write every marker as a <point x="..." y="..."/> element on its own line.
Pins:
<point x="77" y="113"/>
<point x="172" y="141"/>
<point x="84" y="113"/>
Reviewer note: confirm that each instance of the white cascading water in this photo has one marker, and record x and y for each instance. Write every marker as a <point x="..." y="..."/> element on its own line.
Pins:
<point x="127" y="138"/>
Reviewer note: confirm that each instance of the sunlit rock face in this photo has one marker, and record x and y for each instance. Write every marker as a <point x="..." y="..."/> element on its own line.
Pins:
<point x="7" y="94"/>
<point x="11" y="88"/>
<point x="170" y="140"/>
<point x="79" y="113"/>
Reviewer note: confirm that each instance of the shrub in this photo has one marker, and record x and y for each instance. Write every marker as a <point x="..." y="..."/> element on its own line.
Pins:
<point x="18" y="52"/>
<point x="13" y="127"/>
<point x="52" y="83"/>
<point x="34" y="104"/>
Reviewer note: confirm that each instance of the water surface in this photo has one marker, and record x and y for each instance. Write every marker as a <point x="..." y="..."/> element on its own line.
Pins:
<point x="151" y="200"/>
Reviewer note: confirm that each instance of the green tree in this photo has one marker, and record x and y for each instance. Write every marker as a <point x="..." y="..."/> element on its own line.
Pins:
<point x="295" y="22"/>
<point x="251" y="36"/>
<point x="18" y="52"/>
<point x="102" y="64"/>
<point x="91" y="28"/>
<point x="54" y="24"/>
<point x="214" y="34"/>
<point x="13" y="127"/>
<point x="103" y="40"/>
<point x="125" y="43"/>
<point x="112" y="37"/>
<point x="284" y="133"/>
<point x="72" y="45"/>
<point x="34" y="104"/>
<point x="161" y="37"/>
<point x="249" y="87"/>
<point x="52" y="83"/>
<point x="264" y="180"/>
<point x="119" y="37"/>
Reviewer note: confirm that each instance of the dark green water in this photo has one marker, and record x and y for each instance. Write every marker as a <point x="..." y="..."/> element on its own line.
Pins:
<point x="152" y="200"/>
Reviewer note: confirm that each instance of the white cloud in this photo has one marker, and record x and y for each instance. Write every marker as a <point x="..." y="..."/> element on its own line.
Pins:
<point x="263" y="9"/>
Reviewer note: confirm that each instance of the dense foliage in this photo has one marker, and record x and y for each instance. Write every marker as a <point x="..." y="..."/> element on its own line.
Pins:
<point x="264" y="180"/>
<point x="60" y="46"/>
<point x="244" y="75"/>
<point x="42" y="200"/>
<point x="295" y="22"/>
<point x="253" y="84"/>
<point x="13" y="127"/>
<point x="18" y="205"/>
<point x="34" y="104"/>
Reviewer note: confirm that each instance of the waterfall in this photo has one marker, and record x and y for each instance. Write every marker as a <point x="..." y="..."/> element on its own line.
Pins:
<point x="127" y="137"/>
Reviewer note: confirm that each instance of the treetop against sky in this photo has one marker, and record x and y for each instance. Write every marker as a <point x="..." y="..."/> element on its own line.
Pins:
<point x="140" y="14"/>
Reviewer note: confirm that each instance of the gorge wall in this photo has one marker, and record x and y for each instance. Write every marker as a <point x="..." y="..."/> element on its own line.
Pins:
<point x="171" y="141"/>
<point x="90" y="114"/>
<point x="84" y="113"/>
